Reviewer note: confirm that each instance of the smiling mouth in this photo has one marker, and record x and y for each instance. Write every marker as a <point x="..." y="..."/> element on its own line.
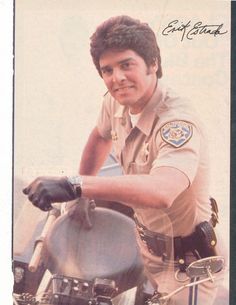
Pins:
<point x="121" y="89"/>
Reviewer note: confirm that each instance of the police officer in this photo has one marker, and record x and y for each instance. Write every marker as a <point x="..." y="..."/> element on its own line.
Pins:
<point x="161" y="147"/>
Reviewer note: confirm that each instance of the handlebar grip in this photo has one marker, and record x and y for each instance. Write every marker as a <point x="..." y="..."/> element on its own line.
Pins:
<point x="37" y="254"/>
<point x="36" y="257"/>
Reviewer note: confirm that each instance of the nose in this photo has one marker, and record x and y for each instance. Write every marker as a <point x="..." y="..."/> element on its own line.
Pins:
<point x="118" y="76"/>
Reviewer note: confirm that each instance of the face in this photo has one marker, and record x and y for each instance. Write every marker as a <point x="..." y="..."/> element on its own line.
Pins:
<point x="128" y="78"/>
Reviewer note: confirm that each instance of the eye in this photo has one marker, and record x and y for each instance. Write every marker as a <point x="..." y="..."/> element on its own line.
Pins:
<point x="125" y="65"/>
<point x="106" y="71"/>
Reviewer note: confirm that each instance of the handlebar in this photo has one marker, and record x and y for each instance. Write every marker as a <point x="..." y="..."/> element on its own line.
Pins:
<point x="37" y="254"/>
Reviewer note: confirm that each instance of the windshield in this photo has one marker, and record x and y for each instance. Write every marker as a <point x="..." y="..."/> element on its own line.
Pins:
<point x="27" y="225"/>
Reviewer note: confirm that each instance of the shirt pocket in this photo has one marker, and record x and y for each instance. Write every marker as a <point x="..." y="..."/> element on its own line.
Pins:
<point x="142" y="163"/>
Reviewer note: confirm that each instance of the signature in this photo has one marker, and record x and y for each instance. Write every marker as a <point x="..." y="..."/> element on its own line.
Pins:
<point x="189" y="31"/>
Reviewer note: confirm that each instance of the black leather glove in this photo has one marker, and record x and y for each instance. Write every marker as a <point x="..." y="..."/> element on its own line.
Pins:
<point x="46" y="190"/>
<point x="82" y="211"/>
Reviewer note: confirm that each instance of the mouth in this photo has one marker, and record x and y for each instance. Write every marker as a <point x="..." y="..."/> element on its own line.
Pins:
<point x="122" y="89"/>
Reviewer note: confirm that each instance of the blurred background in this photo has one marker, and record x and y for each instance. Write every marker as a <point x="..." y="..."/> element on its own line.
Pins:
<point x="58" y="92"/>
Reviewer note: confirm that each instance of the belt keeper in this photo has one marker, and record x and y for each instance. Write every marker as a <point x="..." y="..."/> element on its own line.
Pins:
<point x="179" y="253"/>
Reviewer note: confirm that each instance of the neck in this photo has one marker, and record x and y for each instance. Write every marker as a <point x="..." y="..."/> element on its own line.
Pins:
<point x="140" y="105"/>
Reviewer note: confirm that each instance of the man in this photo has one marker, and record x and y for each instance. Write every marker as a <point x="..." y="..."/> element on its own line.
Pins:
<point x="162" y="150"/>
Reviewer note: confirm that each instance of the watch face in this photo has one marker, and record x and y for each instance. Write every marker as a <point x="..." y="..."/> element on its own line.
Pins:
<point x="75" y="180"/>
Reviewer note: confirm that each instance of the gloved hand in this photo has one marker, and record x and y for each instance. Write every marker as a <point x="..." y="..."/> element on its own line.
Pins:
<point x="46" y="190"/>
<point x="82" y="211"/>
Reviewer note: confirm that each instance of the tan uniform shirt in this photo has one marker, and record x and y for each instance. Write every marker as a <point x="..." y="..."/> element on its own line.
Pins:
<point x="166" y="134"/>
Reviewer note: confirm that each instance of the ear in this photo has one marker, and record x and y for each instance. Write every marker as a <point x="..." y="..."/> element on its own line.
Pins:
<point x="152" y="69"/>
<point x="154" y="66"/>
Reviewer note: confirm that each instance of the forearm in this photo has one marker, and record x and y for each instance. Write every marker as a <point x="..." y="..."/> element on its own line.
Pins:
<point x="94" y="154"/>
<point x="133" y="190"/>
<point x="157" y="191"/>
<point x="115" y="188"/>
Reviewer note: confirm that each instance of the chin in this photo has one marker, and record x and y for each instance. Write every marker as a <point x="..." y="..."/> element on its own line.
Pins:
<point x="125" y="102"/>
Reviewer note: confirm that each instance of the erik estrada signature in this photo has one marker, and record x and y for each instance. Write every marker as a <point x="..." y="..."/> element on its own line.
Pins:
<point x="189" y="31"/>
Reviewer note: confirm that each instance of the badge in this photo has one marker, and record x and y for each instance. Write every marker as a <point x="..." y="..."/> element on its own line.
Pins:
<point x="177" y="133"/>
<point x="114" y="135"/>
<point x="144" y="153"/>
<point x="146" y="149"/>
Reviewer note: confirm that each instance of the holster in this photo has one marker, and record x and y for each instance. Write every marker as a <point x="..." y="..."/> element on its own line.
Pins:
<point x="206" y="239"/>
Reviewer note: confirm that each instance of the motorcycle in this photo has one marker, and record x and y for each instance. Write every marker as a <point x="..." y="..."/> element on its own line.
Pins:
<point x="95" y="266"/>
<point x="57" y="261"/>
<point x="87" y="266"/>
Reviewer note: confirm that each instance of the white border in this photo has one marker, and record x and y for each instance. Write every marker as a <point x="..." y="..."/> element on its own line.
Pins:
<point x="6" y="89"/>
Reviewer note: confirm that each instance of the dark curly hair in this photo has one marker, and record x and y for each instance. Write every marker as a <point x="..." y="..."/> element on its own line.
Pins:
<point x="122" y="33"/>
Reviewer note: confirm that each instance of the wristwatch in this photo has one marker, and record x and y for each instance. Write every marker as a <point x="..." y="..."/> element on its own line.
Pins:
<point x="76" y="182"/>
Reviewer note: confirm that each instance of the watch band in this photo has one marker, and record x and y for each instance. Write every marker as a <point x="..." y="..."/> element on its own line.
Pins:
<point x="76" y="182"/>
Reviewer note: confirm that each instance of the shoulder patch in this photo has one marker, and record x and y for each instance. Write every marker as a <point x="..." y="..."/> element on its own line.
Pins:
<point x="176" y="133"/>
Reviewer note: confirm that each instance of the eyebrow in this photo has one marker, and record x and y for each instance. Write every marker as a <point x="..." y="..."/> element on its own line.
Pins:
<point x="119" y="62"/>
<point x="125" y="60"/>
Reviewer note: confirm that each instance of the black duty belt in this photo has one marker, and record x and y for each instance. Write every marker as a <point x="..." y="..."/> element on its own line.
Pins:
<point x="201" y="242"/>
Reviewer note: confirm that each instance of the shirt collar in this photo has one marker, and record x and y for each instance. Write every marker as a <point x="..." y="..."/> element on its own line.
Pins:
<point x="149" y="112"/>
